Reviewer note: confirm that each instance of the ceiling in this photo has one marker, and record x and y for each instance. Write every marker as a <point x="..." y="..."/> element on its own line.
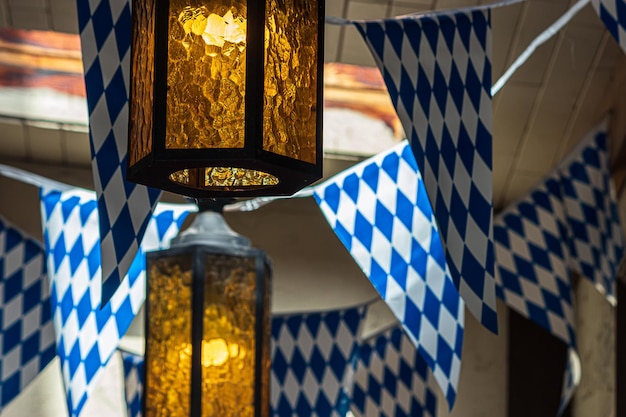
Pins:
<point x="567" y="85"/>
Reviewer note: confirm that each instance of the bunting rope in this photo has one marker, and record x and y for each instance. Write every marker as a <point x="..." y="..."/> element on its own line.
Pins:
<point x="539" y="40"/>
<point x="340" y="21"/>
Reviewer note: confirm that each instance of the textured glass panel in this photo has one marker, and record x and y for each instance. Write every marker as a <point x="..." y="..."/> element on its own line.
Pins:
<point x="206" y="74"/>
<point x="289" y="116"/>
<point x="228" y="345"/>
<point x="168" y="338"/>
<point x="223" y="178"/>
<point x="142" y="61"/>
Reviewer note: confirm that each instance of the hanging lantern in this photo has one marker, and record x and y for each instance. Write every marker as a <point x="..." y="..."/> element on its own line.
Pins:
<point x="226" y="96"/>
<point x="207" y="325"/>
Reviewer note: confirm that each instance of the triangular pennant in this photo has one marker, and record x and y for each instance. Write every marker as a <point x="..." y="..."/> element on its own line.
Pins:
<point x="438" y="74"/>
<point x="125" y="208"/>
<point x="87" y="335"/>
<point x="390" y="230"/>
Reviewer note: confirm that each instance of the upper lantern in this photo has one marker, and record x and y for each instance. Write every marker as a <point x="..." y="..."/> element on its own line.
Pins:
<point x="226" y="96"/>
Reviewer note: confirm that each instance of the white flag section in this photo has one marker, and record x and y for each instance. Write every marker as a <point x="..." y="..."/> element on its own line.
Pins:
<point x="26" y="332"/>
<point x="87" y="335"/>
<point x="124" y="207"/>
<point x="568" y="223"/>
<point x="437" y="68"/>
<point x="380" y="211"/>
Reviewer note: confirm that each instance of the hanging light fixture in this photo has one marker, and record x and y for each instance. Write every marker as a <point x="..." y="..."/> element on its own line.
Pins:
<point x="208" y="324"/>
<point x="226" y="96"/>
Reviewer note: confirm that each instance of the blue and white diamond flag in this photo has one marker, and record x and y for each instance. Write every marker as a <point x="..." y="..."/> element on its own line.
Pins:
<point x="532" y="272"/>
<point x="392" y="379"/>
<point x="124" y="207"/>
<point x="595" y="237"/>
<point x="313" y="362"/>
<point x="568" y="223"/>
<point x="133" y="382"/>
<point x="380" y="211"/>
<point x="437" y="68"/>
<point x="86" y="334"/>
<point x="26" y="332"/>
<point x="613" y="15"/>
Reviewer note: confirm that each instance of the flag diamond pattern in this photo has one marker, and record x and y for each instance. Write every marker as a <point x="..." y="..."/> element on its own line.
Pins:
<point x="86" y="334"/>
<point x="380" y="211"/>
<point x="437" y="68"/>
<point x="392" y="379"/>
<point x="124" y="207"/>
<point x="596" y="242"/>
<point x="613" y="15"/>
<point x="26" y="332"/>
<point x="532" y="259"/>
<point x="313" y="362"/>
<point x="133" y="382"/>
<point x="568" y="223"/>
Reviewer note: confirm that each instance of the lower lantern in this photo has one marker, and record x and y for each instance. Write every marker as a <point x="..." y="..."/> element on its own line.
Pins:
<point x="208" y="325"/>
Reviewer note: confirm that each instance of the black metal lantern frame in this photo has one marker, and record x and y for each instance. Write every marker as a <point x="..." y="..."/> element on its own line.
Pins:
<point x="293" y="174"/>
<point x="233" y="246"/>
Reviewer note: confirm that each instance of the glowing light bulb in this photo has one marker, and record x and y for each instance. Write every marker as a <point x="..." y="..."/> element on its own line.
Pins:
<point x="214" y="352"/>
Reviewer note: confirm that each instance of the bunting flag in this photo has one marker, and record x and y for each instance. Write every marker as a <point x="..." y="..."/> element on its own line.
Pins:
<point x="133" y="382"/>
<point x="613" y="15"/>
<point x="568" y="223"/>
<point x="532" y="265"/>
<point x="437" y="68"/>
<point x="392" y="379"/>
<point x="124" y="207"/>
<point x="380" y="211"/>
<point x="87" y="334"/>
<point x="595" y="235"/>
<point x="26" y="332"/>
<point x="313" y="362"/>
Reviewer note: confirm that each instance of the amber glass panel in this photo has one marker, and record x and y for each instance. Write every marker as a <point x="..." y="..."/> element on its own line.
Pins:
<point x="206" y="74"/>
<point x="168" y="338"/>
<point x="228" y="343"/>
<point x="289" y="117"/>
<point x="142" y="58"/>
<point x="223" y="178"/>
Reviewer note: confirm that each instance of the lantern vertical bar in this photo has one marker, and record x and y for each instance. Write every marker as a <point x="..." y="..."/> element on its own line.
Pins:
<point x="255" y="77"/>
<point x="259" y="337"/>
<point x="159" y="115"/>
<point x="321" y="25"/>
<point x="197" y="332"/>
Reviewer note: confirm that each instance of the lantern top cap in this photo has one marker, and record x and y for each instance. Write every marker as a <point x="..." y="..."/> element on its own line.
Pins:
<point x="210" y="229"/>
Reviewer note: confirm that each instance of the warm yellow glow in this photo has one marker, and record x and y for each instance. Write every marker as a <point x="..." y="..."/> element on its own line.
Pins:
<point x="215" y="352"/>
<point x="215" y="30"/>
<point x="225" y="178"/>
<point x="168" y="383"/>
<point x="206" y="74"/>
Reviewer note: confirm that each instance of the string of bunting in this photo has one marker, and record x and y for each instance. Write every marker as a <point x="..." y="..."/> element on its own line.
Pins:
<point x="456" y="67"/>
<point x="395" y="213"/>
<point x="569" y="222"/>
